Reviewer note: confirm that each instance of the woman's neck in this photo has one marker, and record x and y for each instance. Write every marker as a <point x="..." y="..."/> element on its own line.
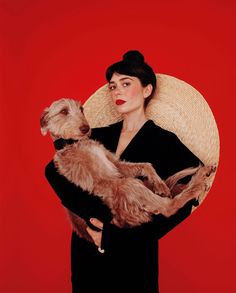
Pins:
<point x="133" y="121"/>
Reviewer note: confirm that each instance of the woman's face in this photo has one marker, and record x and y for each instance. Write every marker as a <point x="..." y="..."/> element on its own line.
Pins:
<point x="127" y="93"/>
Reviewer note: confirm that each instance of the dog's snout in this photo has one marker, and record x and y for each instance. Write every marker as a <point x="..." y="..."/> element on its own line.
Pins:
<point x="84" y="129"/>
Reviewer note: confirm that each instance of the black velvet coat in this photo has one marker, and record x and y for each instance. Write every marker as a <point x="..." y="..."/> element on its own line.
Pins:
<point x="130" y="261"/>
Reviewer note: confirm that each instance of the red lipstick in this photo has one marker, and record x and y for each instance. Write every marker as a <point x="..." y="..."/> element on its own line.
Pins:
<point x="120" y="102"/>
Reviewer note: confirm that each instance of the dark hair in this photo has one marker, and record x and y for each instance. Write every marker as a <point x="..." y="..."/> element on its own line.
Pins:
<point x="133" y="64"/>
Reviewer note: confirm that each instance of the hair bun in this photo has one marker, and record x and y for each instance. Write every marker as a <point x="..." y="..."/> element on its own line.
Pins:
<point x="133" y="56"/>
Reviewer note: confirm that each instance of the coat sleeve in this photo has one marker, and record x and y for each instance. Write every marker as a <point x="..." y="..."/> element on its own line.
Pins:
<point x="74" y="198"/>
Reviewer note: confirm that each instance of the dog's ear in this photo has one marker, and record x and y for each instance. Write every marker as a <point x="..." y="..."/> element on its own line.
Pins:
<point x="44" y="121"/>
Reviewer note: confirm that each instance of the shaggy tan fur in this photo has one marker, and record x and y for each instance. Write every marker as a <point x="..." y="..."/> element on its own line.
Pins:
<point x="89" y="165"/>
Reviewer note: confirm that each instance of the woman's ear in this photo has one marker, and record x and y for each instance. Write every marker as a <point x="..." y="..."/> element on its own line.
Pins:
<point x="147" y="91"/>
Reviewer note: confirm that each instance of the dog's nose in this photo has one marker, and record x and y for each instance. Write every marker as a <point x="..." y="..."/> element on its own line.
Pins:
<point x="84" y="129"/>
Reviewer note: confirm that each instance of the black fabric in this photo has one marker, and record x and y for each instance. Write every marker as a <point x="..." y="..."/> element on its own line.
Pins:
<point x="130" y="261"/>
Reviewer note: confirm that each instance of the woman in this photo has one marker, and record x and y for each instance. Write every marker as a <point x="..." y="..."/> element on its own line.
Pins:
<point x="124" y="260"/>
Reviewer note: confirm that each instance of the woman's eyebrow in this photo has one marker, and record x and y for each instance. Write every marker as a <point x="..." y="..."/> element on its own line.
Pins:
<point x="126" y="78"/>
<point x="123" y="78"/>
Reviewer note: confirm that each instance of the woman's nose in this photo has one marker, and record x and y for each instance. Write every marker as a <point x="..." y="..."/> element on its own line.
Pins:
<point x="117" y="91"/>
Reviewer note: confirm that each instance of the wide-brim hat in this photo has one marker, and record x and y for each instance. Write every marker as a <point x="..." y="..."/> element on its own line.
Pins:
<point x="176" y="106"/>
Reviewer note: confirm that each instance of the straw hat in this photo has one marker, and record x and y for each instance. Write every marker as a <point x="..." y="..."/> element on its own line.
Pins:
<point x="177" y="107"/>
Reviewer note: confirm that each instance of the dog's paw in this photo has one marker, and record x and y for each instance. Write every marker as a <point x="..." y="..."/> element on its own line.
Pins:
<point x="204" y="173"/>
<point x="211" y="170"/>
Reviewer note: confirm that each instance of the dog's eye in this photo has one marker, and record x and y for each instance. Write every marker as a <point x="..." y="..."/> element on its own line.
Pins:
<point x="64" y="111"/>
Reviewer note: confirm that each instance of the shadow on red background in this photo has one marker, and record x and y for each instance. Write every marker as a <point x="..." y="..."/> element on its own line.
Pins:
<point x="50" y="49"/>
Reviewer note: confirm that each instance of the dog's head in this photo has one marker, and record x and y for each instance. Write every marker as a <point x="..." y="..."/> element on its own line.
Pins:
<point x="64" y="118"/>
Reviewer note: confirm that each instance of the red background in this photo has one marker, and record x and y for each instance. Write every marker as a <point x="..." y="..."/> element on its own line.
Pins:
<point x="50" y="49"/>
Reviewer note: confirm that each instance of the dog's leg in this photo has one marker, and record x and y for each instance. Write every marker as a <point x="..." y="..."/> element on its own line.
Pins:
<point x="203" y="175"/>
<point x="134" y="170"/>
<point x="79" y="226"/>
<point x="194" y="189"/>
<point x="155" y="183"/>
<point x="173" y="179"/>
<point x="128" y="169"/>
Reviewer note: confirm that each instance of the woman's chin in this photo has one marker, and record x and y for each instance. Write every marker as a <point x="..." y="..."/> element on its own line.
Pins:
<point x="123" y="109"/>
<point x="126" y="110"/>
<point x="120" y="110"/>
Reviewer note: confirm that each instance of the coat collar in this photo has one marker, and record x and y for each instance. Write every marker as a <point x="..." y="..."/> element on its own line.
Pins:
<point x="115" y="130"/>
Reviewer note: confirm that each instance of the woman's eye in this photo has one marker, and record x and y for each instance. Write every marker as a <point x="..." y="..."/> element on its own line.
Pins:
<point x="64" y="111"/>
<point x="111" y="87"/>
<point x="125" y="84"/>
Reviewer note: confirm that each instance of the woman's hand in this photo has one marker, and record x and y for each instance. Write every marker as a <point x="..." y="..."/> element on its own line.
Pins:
<point x="96" y="236"/>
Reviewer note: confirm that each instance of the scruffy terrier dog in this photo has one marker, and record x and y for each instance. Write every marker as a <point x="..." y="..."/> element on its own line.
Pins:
<point x="89" y="165"/>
